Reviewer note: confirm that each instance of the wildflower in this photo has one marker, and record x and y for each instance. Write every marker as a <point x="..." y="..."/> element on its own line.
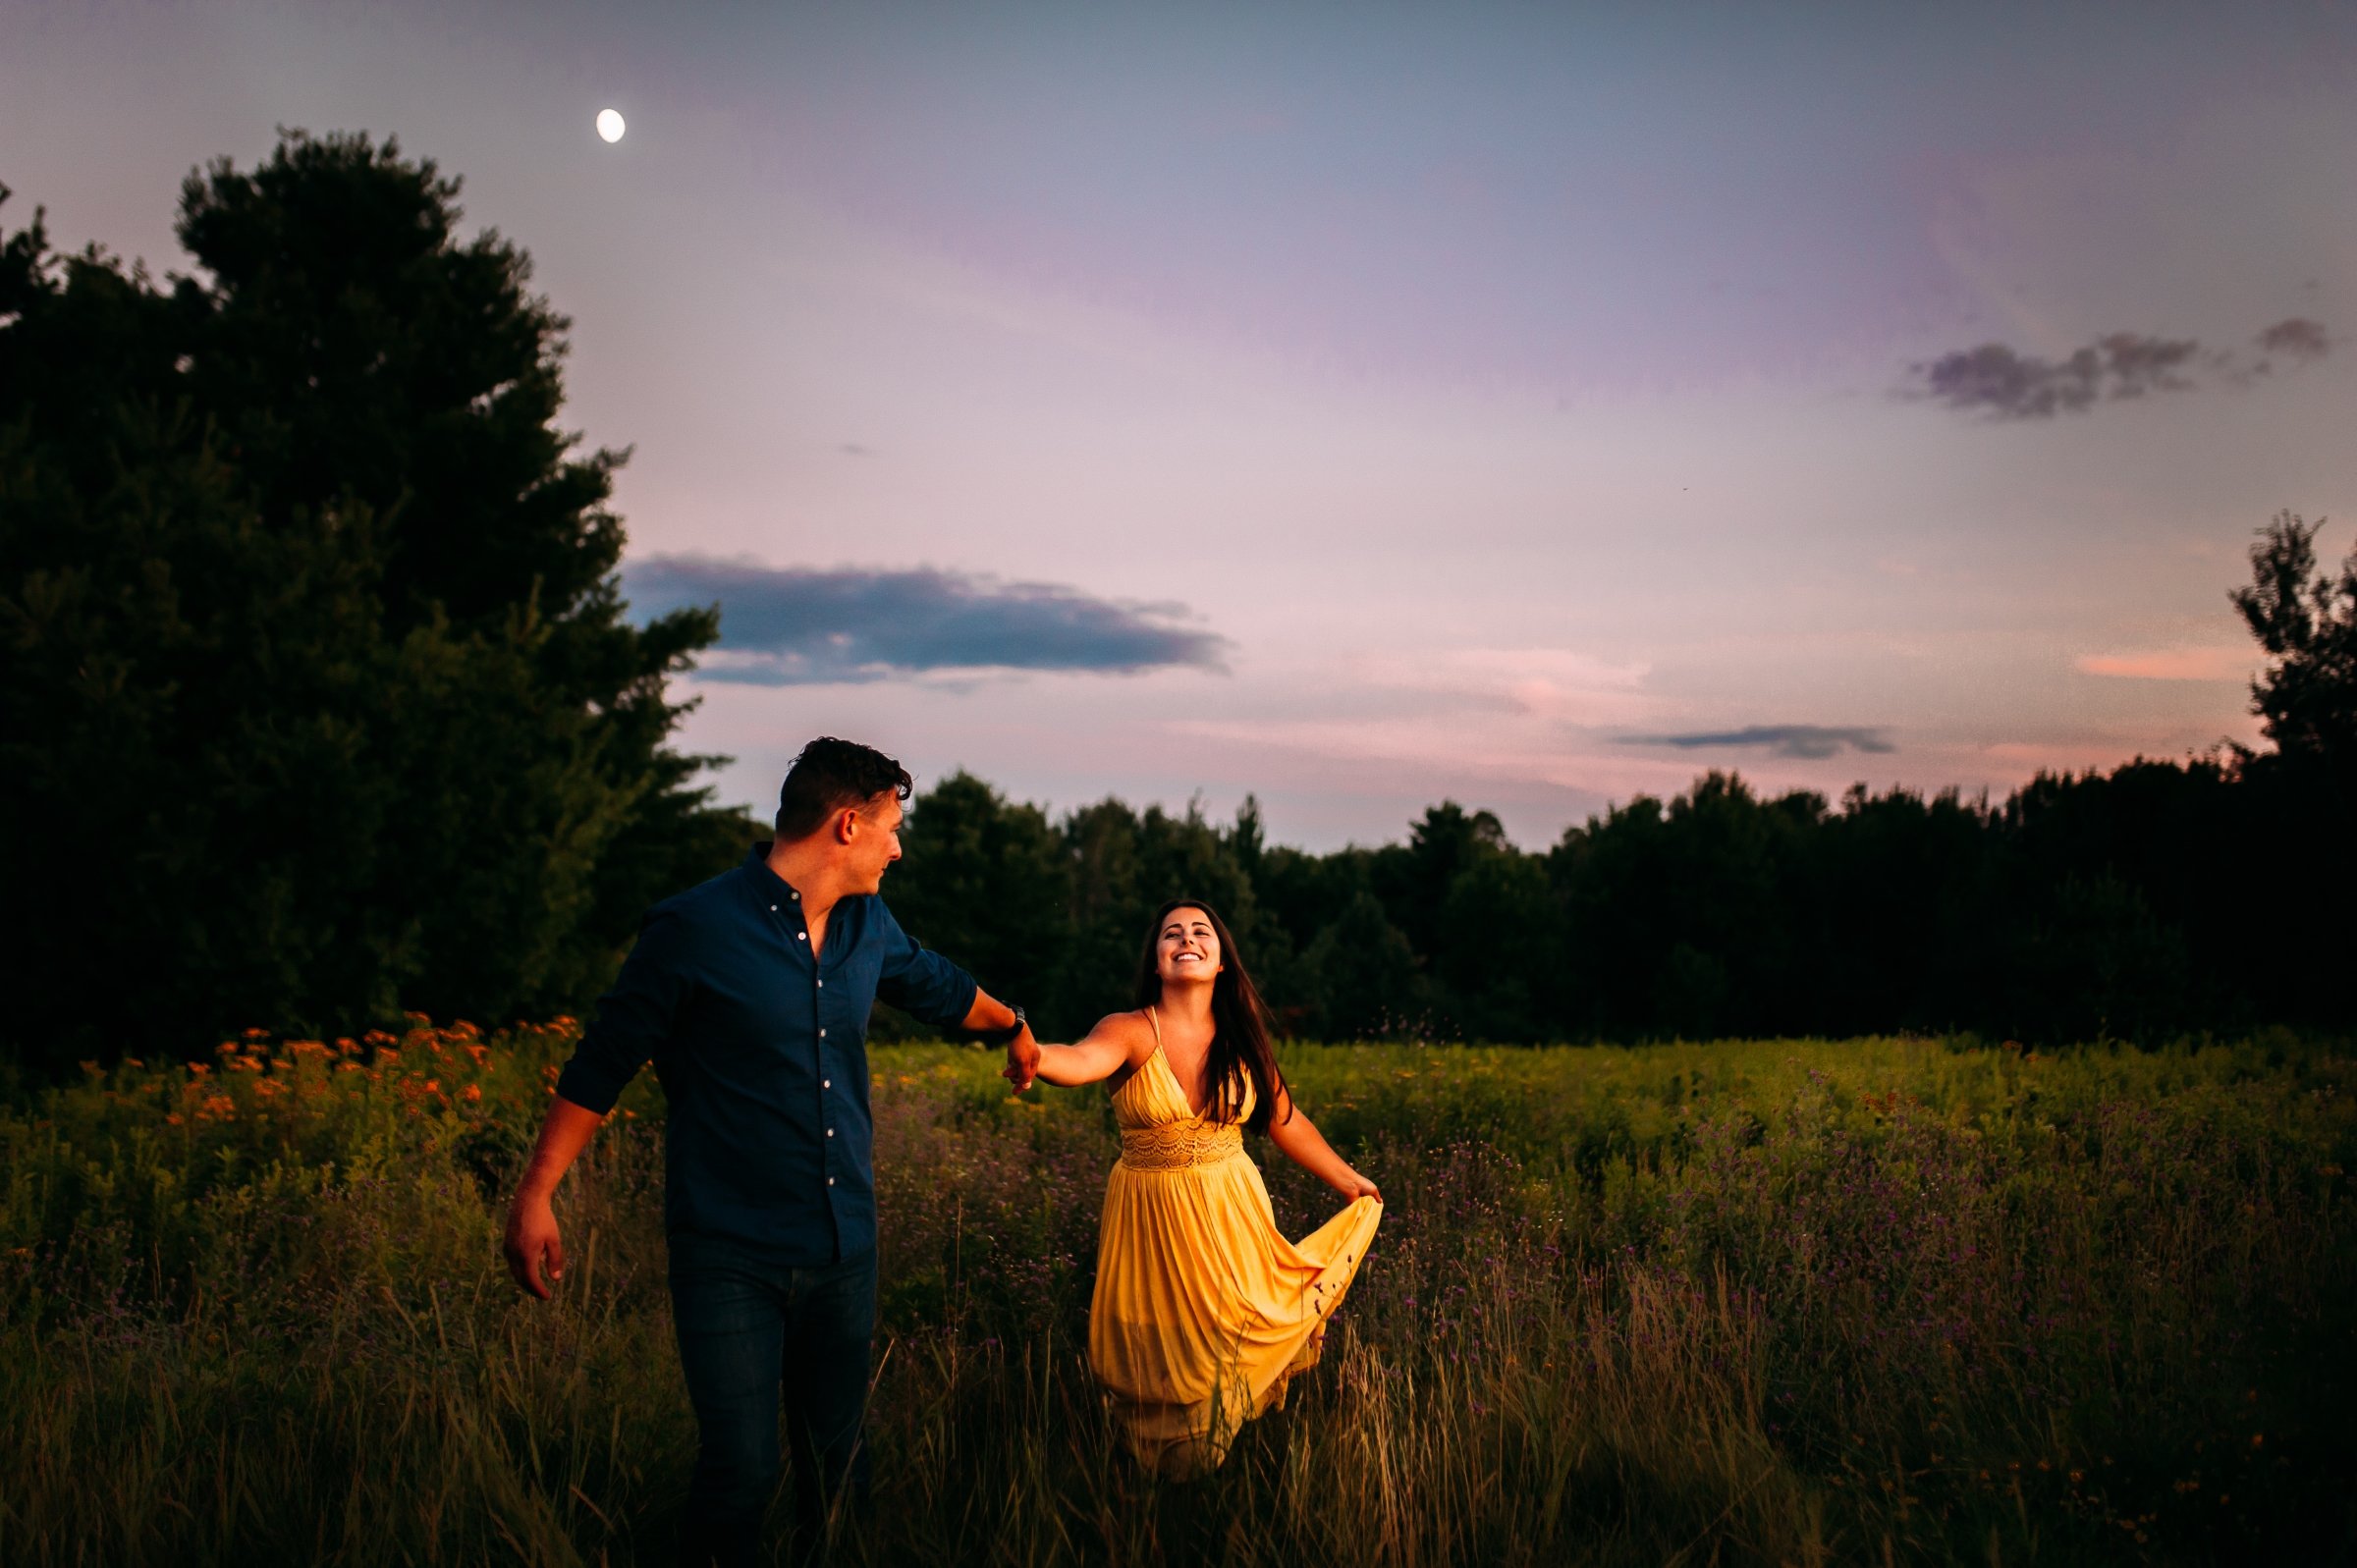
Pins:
<point x="473" y="1091"/>
<point x="172" y="1119"/>
<point x="197" y="1070"/>
<point x="133" y="1061"/>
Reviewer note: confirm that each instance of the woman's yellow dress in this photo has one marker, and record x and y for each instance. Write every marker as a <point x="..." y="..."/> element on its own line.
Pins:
<point x="1202" y="1310"/>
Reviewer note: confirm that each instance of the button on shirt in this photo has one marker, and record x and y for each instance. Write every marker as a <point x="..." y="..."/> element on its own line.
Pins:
<point x="762" y="1054"/>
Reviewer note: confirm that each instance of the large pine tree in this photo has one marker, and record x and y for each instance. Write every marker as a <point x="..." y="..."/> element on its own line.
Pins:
<point x="319" y="699"/>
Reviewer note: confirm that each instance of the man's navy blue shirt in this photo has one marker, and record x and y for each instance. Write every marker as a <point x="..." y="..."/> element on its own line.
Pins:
<point x="762" y="1053"/>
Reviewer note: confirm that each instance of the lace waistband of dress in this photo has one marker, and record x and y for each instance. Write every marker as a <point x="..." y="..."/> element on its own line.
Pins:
<point x="1177" y="1145"/>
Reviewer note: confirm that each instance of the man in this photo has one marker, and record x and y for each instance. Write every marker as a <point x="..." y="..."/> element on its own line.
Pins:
<point x="752" y="994"/>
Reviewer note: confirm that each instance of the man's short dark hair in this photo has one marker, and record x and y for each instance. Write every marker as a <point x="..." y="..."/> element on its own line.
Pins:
<point x="829" y="775"/>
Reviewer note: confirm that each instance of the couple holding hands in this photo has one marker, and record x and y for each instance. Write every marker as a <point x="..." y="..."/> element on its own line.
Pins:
<point x="750" y="994"/>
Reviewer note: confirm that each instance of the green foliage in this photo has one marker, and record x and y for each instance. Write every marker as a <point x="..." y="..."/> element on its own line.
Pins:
<point x="317" y="697"/>
<point x="1778" y="1301"/>
<point x="2306" y="624"/>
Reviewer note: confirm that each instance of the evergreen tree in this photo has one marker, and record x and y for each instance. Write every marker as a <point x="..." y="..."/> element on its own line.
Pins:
<point x="2305" y="623"/>
<point x="317" y="683"/>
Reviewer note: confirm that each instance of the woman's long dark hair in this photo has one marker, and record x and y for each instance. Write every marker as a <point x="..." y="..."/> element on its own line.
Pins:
<point x="1239" y="1024"/>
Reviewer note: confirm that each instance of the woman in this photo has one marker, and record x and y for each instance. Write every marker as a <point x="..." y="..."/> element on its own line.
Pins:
<point x="1202" y="1310"/>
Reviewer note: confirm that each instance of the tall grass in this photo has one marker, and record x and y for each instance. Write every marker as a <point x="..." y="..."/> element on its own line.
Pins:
<point x="1744" y="1302"/>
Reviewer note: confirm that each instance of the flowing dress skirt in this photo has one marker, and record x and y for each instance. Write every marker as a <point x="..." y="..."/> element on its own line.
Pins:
<point x="1202" y="1310"/>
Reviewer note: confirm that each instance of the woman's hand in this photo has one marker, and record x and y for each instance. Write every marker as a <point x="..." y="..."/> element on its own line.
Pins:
<point x="1353" y="1187"/>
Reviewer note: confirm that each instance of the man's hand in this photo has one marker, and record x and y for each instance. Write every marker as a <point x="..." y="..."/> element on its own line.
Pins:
<point x="1023" y="1060"/>
<point x="532" y="1223"/>
<point x="532" y="1236"/>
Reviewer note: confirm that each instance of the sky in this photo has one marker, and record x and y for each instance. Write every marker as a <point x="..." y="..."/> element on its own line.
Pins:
<point x="1356" y="406"/>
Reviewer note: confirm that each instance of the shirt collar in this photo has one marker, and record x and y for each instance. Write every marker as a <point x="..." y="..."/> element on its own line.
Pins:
<point x="757" y="865"/>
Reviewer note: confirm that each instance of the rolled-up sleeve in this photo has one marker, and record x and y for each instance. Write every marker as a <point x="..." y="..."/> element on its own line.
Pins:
<point x="918" y="981"/>
<point x="634" y="1019"/>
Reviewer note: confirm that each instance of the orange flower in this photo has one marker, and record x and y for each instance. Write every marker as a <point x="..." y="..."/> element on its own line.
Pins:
<point x="473" y="1090"/>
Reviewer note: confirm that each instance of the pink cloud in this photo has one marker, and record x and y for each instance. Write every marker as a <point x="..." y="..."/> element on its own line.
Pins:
<point x="2170" y="664"/>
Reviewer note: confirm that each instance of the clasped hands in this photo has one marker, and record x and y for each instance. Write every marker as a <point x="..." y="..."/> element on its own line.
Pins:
<point x="1023" y="1060"/>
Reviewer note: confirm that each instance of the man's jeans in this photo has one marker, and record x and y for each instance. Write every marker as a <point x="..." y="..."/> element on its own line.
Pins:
<point x="752" y="1332"/>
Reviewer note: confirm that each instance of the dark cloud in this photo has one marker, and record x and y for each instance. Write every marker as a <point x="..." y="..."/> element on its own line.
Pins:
<point x="2296" y="339"/>
<point x="1811" y="742"/>
<point x="786" y="627"/>
<point x="1995" y="379"/>
<point x="2007" y="384"/>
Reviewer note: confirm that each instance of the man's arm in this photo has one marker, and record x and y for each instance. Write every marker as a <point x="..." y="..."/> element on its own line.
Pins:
<point x="938" y="992"/>
<point x="532" y="1216"/>
<point x="634" y="1021"/>
<point x="991" y="1017"/>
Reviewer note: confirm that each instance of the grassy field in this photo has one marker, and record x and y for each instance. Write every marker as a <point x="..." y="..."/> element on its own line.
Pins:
<point x="1866" y="1301"/>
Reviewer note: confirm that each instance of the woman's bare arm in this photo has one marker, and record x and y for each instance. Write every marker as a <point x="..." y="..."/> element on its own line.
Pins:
<point x="1114" y="1043"/>
<point x="1299" y="1138"/>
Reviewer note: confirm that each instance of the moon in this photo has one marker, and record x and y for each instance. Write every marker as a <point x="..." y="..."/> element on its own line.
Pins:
<point x="609" y="124"/>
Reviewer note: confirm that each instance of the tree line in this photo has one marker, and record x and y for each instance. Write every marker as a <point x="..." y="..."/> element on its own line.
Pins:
<point x="318" y="702"/>
<point x="2152" y="900"/>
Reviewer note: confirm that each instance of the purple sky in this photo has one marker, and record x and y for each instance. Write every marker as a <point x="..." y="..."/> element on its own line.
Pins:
<point x="1359" y="406"/>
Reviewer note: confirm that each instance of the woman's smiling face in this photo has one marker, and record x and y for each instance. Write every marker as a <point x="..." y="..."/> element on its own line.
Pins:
<point x="1187" y="952"/>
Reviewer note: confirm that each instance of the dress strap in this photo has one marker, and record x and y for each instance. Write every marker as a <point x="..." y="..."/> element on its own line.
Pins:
<point x="1155" y="1019"/>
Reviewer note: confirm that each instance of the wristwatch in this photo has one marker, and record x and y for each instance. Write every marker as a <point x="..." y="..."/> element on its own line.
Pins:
<point x="1005" y="1036"/>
